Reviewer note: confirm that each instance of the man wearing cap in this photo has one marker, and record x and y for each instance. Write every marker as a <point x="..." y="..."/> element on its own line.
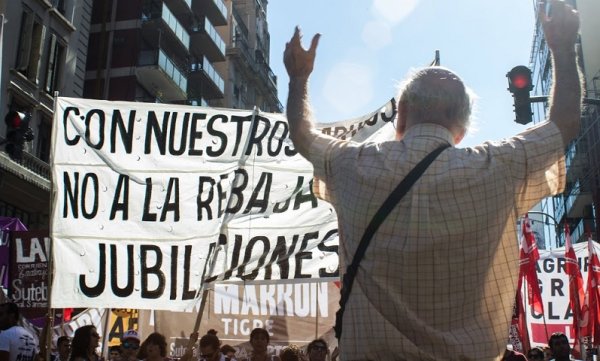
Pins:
<point x="130" y="344"/>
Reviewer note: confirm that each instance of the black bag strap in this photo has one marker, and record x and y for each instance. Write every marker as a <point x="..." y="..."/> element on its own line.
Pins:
<point x="387" y="206"/>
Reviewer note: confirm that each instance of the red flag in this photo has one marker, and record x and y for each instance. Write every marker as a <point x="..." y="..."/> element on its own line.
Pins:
<point x="67" y="312"/>
<point x="590" y="317"/>
<point x="518" y="334"/>
<point x="527" y="266"/>
<point x="576" y="295"/>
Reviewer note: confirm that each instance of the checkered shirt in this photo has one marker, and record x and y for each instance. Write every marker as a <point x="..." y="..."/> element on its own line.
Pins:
<point x="438" y="279"/>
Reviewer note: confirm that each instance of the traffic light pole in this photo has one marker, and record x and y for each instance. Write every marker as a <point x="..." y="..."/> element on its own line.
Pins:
<point x="544" y="98"/>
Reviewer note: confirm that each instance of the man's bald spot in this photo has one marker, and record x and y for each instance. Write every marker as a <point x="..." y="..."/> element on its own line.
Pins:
<point x="440" y="78"/>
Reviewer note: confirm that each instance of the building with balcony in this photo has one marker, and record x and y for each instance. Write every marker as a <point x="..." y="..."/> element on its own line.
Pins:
<point x="44" y="47"/>
<point x="252" y="82"/>
<point x="156" y="51"/>
<point x="579" y="205"/>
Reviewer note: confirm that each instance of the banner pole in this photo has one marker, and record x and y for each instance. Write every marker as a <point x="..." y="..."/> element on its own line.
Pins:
<point x="50" y="250"/>
<point x="211" y="269"/>
<point x="46" y="336"/>
<point x="105" y="331"/>
<point x="255" y="112"/>
<point x="317" y="316"/>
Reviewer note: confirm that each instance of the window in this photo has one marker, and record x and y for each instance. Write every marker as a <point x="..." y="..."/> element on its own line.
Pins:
<point x="59" y="5"/>
<point x="9" y="210"/>
<point x="53" y="70"/>
<point x="30" y="46"/>
<point x="43" y="136"/>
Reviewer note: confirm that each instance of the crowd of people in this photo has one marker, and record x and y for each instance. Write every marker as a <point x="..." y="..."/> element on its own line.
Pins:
<point x="19" y="344"/>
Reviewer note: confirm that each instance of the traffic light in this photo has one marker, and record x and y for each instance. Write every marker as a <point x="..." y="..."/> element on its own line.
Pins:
<point x="17" y="133"/>
<point x="520" y="84"/>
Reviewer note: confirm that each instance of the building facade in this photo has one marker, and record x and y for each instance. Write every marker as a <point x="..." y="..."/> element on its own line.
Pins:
<point x="252" y="82"/>
<point x="195" y="52"/>
<point x="579" y="205"/>
<point x="156" y="51"/>
<point x="44" y="46"/>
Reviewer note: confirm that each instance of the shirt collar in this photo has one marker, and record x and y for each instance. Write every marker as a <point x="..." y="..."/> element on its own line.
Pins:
<point x="429" y="130"/>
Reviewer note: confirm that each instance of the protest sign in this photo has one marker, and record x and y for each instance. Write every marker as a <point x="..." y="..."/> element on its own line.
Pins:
<point x="291" y="312"/>
<point x="29" y="274"/>
<point x="554" y="284"/>
<point x="152" y="201"/>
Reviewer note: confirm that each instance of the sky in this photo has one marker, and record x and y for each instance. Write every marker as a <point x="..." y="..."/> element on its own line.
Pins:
<point x="368" y="46"/>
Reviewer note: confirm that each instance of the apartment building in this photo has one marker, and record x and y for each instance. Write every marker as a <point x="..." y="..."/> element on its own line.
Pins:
<point x="579" y="205"/>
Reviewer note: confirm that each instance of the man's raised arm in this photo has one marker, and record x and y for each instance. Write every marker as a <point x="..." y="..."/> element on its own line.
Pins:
<point x="299" y="64"/>
<point x="560" y="31"/>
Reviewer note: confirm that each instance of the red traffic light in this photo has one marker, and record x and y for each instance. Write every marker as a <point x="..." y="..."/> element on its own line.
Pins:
<point x="519" y="79"/>
<point x="14" y="119"/>
<point x="520" y="84"/>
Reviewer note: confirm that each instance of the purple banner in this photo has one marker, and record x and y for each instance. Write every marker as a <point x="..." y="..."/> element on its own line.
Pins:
<point x="7" y="225"/>
<point x="29" y="287"/>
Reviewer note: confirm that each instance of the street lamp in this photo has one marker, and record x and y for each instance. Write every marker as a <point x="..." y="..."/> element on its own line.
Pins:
<point x="546" y="221"/>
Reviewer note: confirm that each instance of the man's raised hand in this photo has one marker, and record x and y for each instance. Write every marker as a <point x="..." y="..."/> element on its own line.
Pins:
<point x="298" y="61"/>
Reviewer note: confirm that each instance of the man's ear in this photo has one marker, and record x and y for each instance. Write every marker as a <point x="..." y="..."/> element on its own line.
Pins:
<point x="458" y="136"/>
<point x="459" y="133"/>
<point x="401" y="119"/>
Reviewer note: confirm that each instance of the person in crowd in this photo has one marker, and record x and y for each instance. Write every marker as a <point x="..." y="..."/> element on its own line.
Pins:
<point x="114" y="353"/>
<point x="63" y="349"/>
<point x="536" y="354"/>
<point x="84" y="344"/>
<point x="154" y="348"/>
<point x="560" y="347"/>
<point x="16" y="343"/>
<point x="291" y="353"/>
<point x="229" y="352"/>
<point x="512" y="355"/>
<point x="547" y="353"/>
<point x="259" y="341"/>
<point x="317" y="350"/>
<point x="210" y="347"/>
<point x="443" y="266"/>
<point x="130" y="344"/>
<point x="189" y="349"/>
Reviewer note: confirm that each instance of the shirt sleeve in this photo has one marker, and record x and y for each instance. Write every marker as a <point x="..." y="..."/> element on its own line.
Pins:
<point x="539" y="166"/>
<point x="321" y="152"/>
<point x="4" y="342"/>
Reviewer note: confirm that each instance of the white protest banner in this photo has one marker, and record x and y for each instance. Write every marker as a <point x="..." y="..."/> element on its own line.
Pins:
<point x="554" y="284"/>
<point x="149" y="200"/>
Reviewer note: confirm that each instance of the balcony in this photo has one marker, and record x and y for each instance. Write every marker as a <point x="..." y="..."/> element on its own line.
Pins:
<point x="215" y="10"/>
<point x="180" y="7"/>
<point x="241" y="53"/>
<point x="204" y="75"/>
<point x="159" y="25"/>
<point x="160" y="76"/>
<point x="29" y="167"/>
<point x="207" y="41"/>
<point x="269" y="78"/>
